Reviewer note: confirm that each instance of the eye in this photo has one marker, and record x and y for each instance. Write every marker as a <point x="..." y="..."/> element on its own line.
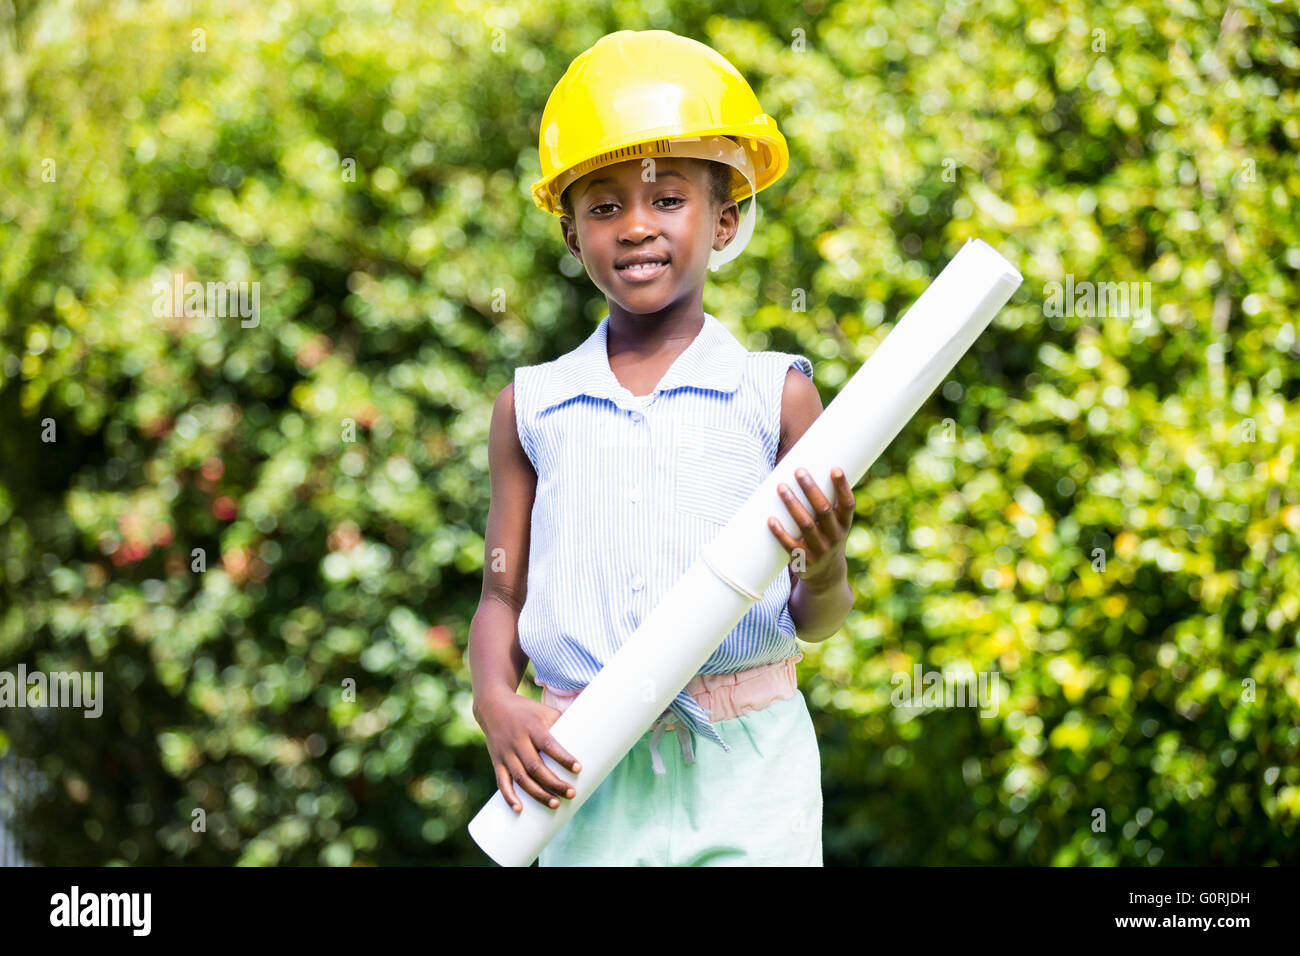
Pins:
<point x="677" y="200"/>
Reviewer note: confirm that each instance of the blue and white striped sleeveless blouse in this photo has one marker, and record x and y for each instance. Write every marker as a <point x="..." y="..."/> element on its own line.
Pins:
<point x="629" y="491"/>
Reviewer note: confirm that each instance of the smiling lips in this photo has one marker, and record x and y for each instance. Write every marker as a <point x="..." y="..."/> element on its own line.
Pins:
<point x="642" y="271"/>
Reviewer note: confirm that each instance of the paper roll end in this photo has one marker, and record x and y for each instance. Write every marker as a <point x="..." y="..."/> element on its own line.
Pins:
<point x="490" y="834"/>
<point x="990" y="259"/>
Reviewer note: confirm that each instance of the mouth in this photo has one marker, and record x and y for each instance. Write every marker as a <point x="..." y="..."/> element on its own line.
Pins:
<point x="642" y="271"/>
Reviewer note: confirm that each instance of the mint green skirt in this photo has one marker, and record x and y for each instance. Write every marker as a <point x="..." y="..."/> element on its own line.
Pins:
<point x="760" y="805"/>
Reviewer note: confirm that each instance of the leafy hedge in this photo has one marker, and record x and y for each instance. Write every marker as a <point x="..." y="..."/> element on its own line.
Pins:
<point x="239" y="524"/>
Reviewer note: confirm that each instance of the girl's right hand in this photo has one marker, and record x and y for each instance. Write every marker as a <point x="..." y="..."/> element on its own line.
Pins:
<point x="517" y="729"/>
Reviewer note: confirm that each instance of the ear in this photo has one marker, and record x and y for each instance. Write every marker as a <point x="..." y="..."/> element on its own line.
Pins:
<point x="728" y="222"/>
<point x="570" y="231"/>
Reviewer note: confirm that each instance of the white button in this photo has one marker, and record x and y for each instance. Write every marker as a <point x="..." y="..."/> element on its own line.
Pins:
<point x="636" y="494"/>
<point x="636" y="417"/>
<point x="638" y="583"/>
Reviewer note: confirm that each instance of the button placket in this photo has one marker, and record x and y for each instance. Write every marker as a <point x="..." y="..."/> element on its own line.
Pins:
<point x="636" y="494"/>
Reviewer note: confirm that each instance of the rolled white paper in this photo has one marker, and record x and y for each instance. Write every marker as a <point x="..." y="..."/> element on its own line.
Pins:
<point x="638" y="683"/>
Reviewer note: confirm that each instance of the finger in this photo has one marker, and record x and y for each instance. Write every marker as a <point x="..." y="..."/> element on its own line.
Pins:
<point x="778" y="529"/>
<point x="828" y="519"/>
<point x="793" y="505"/>
<point x="552" y="746"/>
<point x="539" y="771"/>
<point x="844" y="494"/>
<point x="520" y="775"/>
<point x="790" y="544"/>
<point x="559" y="755"/>
<point x="505" y="785"/>
<point x="820" y="503"/>
<point x="813" y="540"/>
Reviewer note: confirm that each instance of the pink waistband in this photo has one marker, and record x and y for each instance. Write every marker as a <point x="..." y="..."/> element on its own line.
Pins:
<point x="722" y="696"/>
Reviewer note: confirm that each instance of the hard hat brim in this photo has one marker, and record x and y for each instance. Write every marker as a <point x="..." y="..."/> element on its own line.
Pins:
<point x="769" y="152"/>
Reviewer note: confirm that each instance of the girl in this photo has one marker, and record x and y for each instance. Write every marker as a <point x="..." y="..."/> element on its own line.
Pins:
<point x="613" y="465"/>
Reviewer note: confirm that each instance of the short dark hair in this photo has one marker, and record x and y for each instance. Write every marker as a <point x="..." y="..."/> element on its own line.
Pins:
<point x="719" y="187"/>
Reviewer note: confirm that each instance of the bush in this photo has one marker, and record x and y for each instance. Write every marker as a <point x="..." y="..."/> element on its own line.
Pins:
<point x="266" y="531"/>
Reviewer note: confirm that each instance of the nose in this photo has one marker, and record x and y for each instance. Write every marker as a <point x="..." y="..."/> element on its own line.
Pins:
<point x="639" y="223"/>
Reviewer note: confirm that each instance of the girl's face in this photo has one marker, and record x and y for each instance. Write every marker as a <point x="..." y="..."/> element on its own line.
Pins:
<point x="618" y="217"/>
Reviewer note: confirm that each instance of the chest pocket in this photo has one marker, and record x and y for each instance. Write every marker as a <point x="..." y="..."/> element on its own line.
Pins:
<point x="717" y="469"/>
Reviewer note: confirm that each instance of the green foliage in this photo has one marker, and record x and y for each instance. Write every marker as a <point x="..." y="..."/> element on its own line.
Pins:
<point x="1102" y="509"/>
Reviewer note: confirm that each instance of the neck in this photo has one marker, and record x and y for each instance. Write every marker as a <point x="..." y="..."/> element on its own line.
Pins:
<point x="649" y="331"/>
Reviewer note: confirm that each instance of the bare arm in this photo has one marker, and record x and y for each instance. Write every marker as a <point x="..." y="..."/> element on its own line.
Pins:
<point x="818" y="605"/>
<point x="516" y="728"/>
<point x="496" y="661"/>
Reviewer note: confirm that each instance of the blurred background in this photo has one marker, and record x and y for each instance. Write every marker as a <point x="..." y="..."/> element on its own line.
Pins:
<point x="265" y="526"/>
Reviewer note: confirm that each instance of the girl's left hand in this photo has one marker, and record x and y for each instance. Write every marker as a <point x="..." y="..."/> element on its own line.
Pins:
<point x="823" y="538"/>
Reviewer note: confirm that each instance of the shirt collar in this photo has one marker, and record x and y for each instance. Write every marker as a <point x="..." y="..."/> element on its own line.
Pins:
<point x="713" y="360"/>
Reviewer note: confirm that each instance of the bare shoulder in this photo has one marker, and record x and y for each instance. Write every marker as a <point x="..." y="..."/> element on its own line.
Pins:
<point x="505" y="402"/>
<point x="513" y="483"/>
<point x="505" y="451"/>
<point x="503" y="416"/>
<point x="801" y="403"/>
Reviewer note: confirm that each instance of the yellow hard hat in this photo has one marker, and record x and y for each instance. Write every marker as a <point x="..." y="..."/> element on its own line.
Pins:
<point x="633" y="94"/>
